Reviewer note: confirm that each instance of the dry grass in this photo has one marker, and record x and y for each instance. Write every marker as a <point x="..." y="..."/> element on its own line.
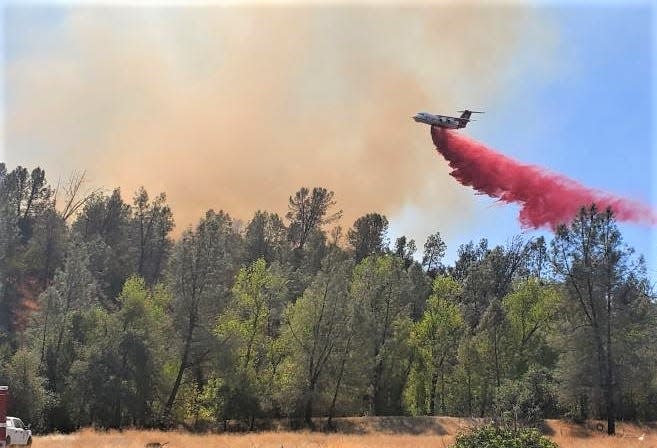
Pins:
<point x="568" y="435"/>
<point x="139" y="439"/>
<point x="366" y="433"/>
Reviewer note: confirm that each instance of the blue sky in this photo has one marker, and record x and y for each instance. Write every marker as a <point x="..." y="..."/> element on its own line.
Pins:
<point x="583" y="109"/>
<point x="592" y="120"/>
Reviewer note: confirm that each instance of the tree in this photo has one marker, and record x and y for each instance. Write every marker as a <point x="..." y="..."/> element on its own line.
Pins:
<point x="315" y="327"/>
<point x="308" y="211"/>
<point x="202" y="267"/>
<point x="469" y="256"/>
<point x="73" y="290"/>
<point x="380" y="286"/>
<point x="405" y="249"/>
<point x="143" y="325"/>
<point x="600" y="284"/>
<point x="105" y="224"/>
<point x="152" y="223"/>
<point x="489" y="276"/>
<point x="60" y="330"/>
<point x="32" y="243"/>
<point x="28" y="389"/>
<point x="527" y="400"/>
<point x="531" y="310"/>
<point x="435" y="338"/>
<point x="27" y="195"/>
<point x="250" y="327"/>
<point x="368" y="235"/>
<point x="265" y="238"/>
<point x="434" y="251"/>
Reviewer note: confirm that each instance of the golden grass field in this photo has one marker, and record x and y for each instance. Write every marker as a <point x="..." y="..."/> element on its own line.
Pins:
<point x="381" y="432"/>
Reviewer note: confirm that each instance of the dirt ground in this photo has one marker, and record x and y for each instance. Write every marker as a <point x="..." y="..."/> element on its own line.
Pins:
<point x="373" y="432"/>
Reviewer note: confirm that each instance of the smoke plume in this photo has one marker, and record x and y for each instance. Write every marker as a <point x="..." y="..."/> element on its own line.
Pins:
<point x="235" y="108"/>
<point x="546" y="199"/>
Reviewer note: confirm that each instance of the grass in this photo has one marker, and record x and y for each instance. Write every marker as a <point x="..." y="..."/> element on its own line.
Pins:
<point x="384" y="432"/>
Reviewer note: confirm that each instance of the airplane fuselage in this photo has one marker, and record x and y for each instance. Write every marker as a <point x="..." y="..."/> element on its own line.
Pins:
<point x="441" y="121"/>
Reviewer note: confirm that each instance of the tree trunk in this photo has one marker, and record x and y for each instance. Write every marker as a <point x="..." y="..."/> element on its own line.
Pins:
<point x="376" y="385"/>
<point x="443" y="408"/>
<point x="308" y="409"/>
<point x="609" y="377"/>
<point x="181" y="369"/>
<point x="432" y="396"/>
<point x="343" y="361"/>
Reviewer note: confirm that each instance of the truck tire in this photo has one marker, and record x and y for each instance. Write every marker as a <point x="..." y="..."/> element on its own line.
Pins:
<point x="8" y="441"/>
<point x="29" y="441"/>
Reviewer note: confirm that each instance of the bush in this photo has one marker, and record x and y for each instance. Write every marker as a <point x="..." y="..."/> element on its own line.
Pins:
<point x="528" y="400"/>
<point x="491" y="436"/>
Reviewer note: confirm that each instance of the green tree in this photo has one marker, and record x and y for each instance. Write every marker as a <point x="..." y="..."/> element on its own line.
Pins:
<point x="309" y="211"/>
<point x="527" y="400"/>
<point x="152" y="223"/>
<point x="73" y="290"/>
<point x="368" y="235"/>
<point x="434" y="251"/>
<point x="405" y="249"/>
<point x="531" y="310"/>
<point x="250" y="326"/>
<point x="29" y="397"/>
<point x="380" y="288"/>
<point x="105" y="224"/>
<point x="203" y="264"/>
<point x="265" y="237"/>
<point x="601" y="284"/>
<point x="315" y="327"/>
<point x="435" y="338"/>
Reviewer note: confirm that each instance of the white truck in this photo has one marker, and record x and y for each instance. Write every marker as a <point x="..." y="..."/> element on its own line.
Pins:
<point x="12" y="430"/>
<point x="17" y="433"/>
<point x="4" y="397"/>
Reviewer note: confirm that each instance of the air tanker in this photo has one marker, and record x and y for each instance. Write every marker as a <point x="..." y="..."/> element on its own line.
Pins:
<point x="445" y="121"/>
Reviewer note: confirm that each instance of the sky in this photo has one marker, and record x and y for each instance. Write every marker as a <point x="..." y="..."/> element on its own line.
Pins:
<point x="231" y="106"/>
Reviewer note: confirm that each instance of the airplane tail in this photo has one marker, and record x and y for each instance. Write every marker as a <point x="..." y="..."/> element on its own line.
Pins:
<point x="465" y="116"/>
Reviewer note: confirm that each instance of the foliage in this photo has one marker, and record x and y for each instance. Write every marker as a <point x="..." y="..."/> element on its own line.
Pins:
<point x="490" y="436"/>
<point x="107" y="320"/>
<point x="528" y="400"/>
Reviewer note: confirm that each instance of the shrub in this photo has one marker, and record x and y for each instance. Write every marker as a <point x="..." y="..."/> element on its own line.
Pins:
<point x="491" y="436"/>
<point x="528" y="400"/>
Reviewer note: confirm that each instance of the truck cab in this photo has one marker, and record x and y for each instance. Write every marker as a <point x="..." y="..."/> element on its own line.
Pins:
<point x="17" y="433"/>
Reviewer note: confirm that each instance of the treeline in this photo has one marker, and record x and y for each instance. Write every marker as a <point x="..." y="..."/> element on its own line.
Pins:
<point x="106" y="320"/>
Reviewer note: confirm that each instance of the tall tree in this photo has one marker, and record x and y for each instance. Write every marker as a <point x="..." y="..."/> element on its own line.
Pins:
<point x="434" y="251"/>
<point x="250" y="326"/>
<point x="435" y="338"/>
<point x="202" y="267"/>
<point x="152" y="223"/>
<point x="405" y="249"/>
<point x="265" y="237"/>
<point x="598" y="273"/>
<point x="105" y="224"/>
<point x="531" y="310"/>
<point x="368" y="235"/>
<point x="314" y="328"/>
<point x="308" y="211"/>
<point x="380" y="288"/>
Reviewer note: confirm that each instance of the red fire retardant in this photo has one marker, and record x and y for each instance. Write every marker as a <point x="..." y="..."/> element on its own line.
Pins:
<point x="546" y="199"/>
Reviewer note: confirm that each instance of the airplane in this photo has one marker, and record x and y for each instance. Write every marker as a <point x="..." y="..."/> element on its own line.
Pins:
<point x="444" y="121"/>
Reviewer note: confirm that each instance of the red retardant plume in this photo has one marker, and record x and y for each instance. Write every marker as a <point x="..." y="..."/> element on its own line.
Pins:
<point x="546" y="199"/>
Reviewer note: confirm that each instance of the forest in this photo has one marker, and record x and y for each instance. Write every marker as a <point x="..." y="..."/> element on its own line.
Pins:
<point x="108" y="320"/>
